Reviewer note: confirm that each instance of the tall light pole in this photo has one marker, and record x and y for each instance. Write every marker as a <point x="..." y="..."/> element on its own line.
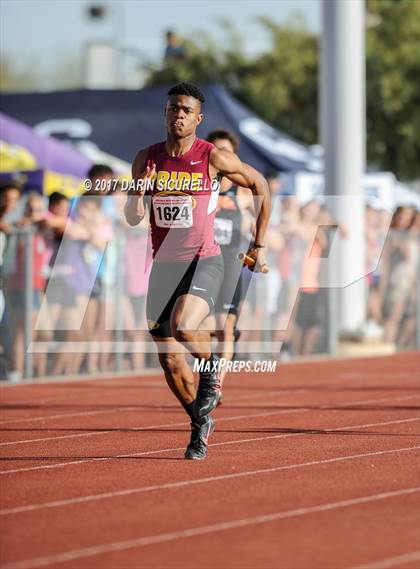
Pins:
<point x="103" y="59"/>
<point x="342" y="110"/>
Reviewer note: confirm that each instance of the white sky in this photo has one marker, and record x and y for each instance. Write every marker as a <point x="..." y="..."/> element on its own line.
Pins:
<point x="42" y="32"/>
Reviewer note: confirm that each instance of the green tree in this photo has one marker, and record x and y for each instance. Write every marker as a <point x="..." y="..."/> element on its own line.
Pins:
<point x="66" y="74"/>
<point x="15" y="81"/>
<point x="281" y="85"/>
<point x="392" y="98"/>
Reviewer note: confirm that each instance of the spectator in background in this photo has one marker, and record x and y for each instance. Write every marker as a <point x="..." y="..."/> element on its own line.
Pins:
<point x="2" y="251"/>
<point x="260" y="293"/>
<point x="311" y="308"/>
<point x="9" y="202"/>
<point x="374" y="245"/>
<point x="10" y="212"/>
<point x="134" y="258"/>
<point x="137" y="266"/>
<point x="174" y="50"/>
<point x="100" y="175"/>
<point x="407" y="337"/>
<point x="274" y="243"/>
<point x="59" y="205"/>
<point x="289" y="264"/>
<point x="55" y="222"/>
<point x="35" y="211"/>
<point x="100" y="308"/>
<point x="84" y="256"/>
<point x="10" y="197"/>
<point x="54" y="225"/>
<point x="58" y="312"/>
<point x="400" y="264"/>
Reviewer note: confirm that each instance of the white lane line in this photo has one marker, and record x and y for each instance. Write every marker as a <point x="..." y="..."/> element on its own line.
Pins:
<point x="63" y="416"/>
<point x="59" y="380"/>
<point x="135" y="429"/>
<point x="76" y="393"/>
<point x="148" y="428"/>
<point x="8" y="405"/>
<point x="370" y="374"/>
<point x="302" y="408"/>
<point x="170" y="485"/>
<point x="136" y="408"/>
<point x="90" y="434"/>
<point x="174" y="449"/>
<point x="87" y="390"/>
<point x="375" y="375"/>
<point x="68" y="415"/>
<point x="391" y="561"/>
<point x="99" y="549"/>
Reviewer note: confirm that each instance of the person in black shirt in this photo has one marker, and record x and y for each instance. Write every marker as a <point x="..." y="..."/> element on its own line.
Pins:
<point x="233" y="221"/>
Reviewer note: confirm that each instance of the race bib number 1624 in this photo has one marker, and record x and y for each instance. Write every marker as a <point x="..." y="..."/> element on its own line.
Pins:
<point x="173" y="211"/>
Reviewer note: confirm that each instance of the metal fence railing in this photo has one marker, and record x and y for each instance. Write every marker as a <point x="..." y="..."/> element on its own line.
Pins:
<point x="77" y="305"/>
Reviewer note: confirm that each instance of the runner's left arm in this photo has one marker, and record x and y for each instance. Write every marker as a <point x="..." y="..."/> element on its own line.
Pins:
<point x="242" y="174"/>
<point x="246" y="206"/>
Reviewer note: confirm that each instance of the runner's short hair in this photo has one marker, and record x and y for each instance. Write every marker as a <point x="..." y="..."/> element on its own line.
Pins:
<point x="222" y="133"/>
<point x="56" y="197"/>
<point x="6" y="185"/>
<point x="188" y="89"/>
<point x="98" y="170"/>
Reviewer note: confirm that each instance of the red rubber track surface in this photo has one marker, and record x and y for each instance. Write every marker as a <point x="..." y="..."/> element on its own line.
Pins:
<point x="314" y="466"/>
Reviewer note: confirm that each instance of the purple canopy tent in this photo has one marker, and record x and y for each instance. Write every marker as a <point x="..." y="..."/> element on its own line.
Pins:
<point x="49" y="153"/>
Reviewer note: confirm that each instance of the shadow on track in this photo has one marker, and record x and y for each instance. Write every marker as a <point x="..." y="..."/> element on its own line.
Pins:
<point x="186" y="430"/>
<point x="171" y="408"/>
<point x="84" y="406"/>
<point x="71" y="458"/>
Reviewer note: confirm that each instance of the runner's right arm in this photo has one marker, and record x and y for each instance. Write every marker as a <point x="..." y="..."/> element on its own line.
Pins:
<point x="134" y="209"/>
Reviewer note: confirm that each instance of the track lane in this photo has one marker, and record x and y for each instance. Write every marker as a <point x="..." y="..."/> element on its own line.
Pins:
<point x="272" y="439"/>
<point x="237" y="537"/>
<point x="240" y="494"/>
<point x="290" y="404"/>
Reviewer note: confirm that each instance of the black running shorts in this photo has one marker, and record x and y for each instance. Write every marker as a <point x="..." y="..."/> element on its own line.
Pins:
<point x="168" y="281"/>
<point x="230" y="294"/>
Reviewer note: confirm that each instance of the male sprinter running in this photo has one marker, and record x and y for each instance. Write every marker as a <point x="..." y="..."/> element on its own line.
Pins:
<point x="181" y="176"/>
<point x="234" y="220"/>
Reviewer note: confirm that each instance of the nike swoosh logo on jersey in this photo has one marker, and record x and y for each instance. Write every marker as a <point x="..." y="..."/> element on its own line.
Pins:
<point x="195" y="162"/>
<point x="197" y="288"/>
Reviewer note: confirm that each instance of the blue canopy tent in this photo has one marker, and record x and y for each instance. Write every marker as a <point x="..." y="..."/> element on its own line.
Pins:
<point x="121" y="122"/>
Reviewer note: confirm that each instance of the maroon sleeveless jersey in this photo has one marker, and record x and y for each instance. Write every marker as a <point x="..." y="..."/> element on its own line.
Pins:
<point x="183" y="203"/>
